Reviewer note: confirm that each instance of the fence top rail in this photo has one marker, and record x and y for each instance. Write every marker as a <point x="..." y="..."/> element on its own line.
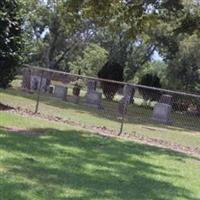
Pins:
<point x="113" y="81"/>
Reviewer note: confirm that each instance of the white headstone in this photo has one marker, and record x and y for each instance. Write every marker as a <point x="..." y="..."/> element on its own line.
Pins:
<point x="161" y="113"/>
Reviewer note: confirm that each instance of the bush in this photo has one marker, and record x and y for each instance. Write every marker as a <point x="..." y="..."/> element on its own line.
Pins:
<point x="151" y="81"/>
<point x="111" y="71"/>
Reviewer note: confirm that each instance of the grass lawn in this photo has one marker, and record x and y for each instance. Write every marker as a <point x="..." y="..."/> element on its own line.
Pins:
<point x="63" y="163"/>
<point x="185" y="131"/>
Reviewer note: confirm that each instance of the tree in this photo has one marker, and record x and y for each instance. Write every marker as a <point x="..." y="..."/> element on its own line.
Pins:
<point x="184" y="69"/>
<point x="130" y="53"/>
<point x="111" y="71"/>
<point x="177" y="39"/>
<point x="138" y="54"/>
<point x="10" y="40"/>
<point x="54" y="31"/>
<point x="158" y="68"/>
<point x="92" y="60"/>
<point x="130" y="31"/>
<point x="151" y="81"/>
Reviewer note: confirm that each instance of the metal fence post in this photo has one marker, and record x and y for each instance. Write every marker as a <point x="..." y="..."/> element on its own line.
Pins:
<point x="122" y="121"/>
<point x="128" y="95"/>
<point x="39" y="92"/>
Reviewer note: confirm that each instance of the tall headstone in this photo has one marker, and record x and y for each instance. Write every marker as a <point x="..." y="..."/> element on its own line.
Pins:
<point x="162" y="110"/>
<point x="26" y="83"/>
<point x="128" y="93"/>
<point x="123" y="104"/>
<point x="35" y="83"/>
<point x="91" y="86"/>
<point x="93" y="98"/>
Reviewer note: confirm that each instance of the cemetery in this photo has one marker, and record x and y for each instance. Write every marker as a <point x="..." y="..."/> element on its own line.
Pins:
<point x="99" y="100"/>
<point x="61" y="132"/>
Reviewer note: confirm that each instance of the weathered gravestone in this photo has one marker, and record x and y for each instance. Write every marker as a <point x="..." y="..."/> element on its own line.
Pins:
<point x="162" y="110"/>
<point x="60" y="92"/>
<point x="93" y="98"/>
<point x="91" y="86"/>
<point x="36" y="83"/>
<point x="26" y="83"/>
<point x="128" y="93"/>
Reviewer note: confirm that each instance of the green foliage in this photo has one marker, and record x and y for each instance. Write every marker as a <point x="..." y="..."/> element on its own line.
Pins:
<point x="138" y="54"/>
<point x="151" y="81"/>
<point x="130" y="53"/>
<point x="50" y="28"/>
<point x="177" y="38"/>
<point x="111" y="71"/>
<point x="158" y="68"/>
<point x="184" y="69"/>
<point x="91" y="61"/>
<point x="57" y="34"/>
<point x="10" y="40"/>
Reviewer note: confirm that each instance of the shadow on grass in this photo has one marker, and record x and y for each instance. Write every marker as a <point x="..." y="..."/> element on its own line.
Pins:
<point x="136" y="114"/>
<point x="74" y="165"/>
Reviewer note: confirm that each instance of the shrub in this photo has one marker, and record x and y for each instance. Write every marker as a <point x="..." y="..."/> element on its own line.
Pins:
<point x="151" y="81"/>
<point x="111" y="71"/>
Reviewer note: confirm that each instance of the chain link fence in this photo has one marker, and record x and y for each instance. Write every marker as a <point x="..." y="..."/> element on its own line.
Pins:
<point x="118" y="106"/>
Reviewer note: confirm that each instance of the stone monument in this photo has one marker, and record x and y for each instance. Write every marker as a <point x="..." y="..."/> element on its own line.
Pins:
<point x="26" y="83"/>
<point x="128" y="93"/>
<point x="162" y="110"/>
<point x="93" y="98"/>
<point x="60" y="91"/>
<point x="91" y="86"/>
<point x="35" y="83"/>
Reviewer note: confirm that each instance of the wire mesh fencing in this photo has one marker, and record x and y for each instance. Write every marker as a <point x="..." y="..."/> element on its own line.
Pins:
<point x="118" y="106"/>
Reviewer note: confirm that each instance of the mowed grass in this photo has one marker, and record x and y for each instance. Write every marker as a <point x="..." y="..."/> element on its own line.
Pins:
<point x="63" y="163"/>
<point x="186" y="130"/>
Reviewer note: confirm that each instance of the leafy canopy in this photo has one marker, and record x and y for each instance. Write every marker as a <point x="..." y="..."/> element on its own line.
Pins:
<point x="92" y="60"/>
<point x="10" y="40"/>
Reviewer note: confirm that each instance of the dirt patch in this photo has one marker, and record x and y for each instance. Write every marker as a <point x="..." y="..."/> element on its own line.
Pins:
<point x="5" y="107"/>
<point x="104" y="131"/>
<point x="12" y="129"/>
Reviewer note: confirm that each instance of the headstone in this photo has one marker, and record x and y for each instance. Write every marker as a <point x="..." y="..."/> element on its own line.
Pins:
<point x="162" y="110"/>
<point x="60" y="92"/>
<point x="123" y="104"/>
<point x="91" y="86"/>
<point x="93" y="98"/>
<point x="35" y="83"/>
<point x="128" y="92"/>
<point x="26" y="83"/>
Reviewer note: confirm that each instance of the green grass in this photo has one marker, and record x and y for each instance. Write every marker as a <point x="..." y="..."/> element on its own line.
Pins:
<point x="63" y="163"/>
<point x="185" y="130"/>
